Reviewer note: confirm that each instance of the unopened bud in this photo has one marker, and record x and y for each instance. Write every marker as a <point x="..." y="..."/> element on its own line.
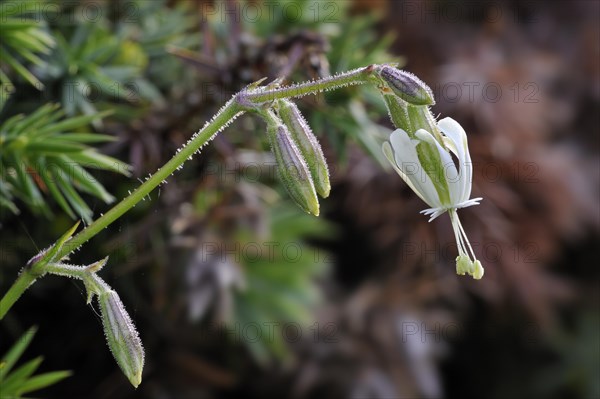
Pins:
<point x="292" y="168"/>
<point x="307" y="144"/>
<point x="407" y="86"/>
<point x="122" y="337"/>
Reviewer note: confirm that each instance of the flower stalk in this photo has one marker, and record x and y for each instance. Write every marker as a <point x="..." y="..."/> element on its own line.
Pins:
<point x="48" y="261"/>
<point x="419" y="140"/>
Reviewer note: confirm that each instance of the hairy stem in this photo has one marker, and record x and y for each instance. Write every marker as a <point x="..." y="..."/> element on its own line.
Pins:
<point x="242" y="102"/>
<point x="224" y="117"/>
<point x="93" y="282"/>
<point x="15" y="291"/>
<point x="354" y="77"/>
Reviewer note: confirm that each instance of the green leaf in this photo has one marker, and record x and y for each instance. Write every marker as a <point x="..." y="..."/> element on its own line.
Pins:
<point x="93" y="159"/>
<point x="50" y="255"/>
<point x="84" y="179"/>
<point x="43" y="380"/>
<point x="27" y="184"/>
<point x="33" y="144"/>
<point x="8" y="127"/>
<point x="42" y="115"/>
<point x="74" y="199"/>
<point x="21" y="70"/>
<point x="17" y="24"/>
<point x="15" y="352"/>
<point x="53" y="147"/>
<point x="20" y="375"/>
<point x="85" y="137"/>
<point x="53" y="188"/>
<point x="71" y="123"/>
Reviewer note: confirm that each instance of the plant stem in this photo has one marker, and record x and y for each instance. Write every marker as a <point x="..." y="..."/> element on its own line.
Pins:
<point x="244" y="101"/>
<point x="92" y="281"/>
<point x="354" y="77"/>
<point x="229" y="112"/>
<point x="25" y="279"/>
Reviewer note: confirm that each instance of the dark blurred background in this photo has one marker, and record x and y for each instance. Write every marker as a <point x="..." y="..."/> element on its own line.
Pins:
<point x="237" y="293"/>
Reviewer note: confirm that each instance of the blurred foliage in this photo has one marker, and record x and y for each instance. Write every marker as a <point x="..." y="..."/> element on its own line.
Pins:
<point x="280" y="275"/>
<point x="20" y="381"/>
<point x="43" y="152"/>
<point x="157" y="28"/>
<point x="162" y="68"/>
<point x="323" y="40"/>
<point x="359" y="45"/>
<point x="258" y="274"/>
<point x="576" y="365"/>
<point x="86" y="67"/>
<point x="25" y="37"/>
<point x="94" y="64"/>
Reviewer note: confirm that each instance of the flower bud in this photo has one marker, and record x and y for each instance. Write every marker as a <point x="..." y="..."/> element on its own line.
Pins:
<point x="292" y="168"/>
<point x="121" y="336"/>
<point x="307" y="144"/>
<point x="407" y="86"/>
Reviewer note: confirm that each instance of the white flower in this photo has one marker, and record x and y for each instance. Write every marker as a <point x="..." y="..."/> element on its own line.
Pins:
<point x="426" y="165"/>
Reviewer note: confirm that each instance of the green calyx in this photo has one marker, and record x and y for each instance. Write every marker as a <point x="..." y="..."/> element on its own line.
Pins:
<point x="420" y="117"/>
<point x="121" y="336"/>
<point x="291" y="165"/>
<point x="308" y="145"/>
<point x="410" y="118"/>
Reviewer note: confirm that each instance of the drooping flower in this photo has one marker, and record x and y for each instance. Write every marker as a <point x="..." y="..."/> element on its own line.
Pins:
<point x="426" y="165"/>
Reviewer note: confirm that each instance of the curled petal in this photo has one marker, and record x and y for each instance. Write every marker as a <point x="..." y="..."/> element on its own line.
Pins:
<point x="457" y="135"/>
<point x="403" y="155"/>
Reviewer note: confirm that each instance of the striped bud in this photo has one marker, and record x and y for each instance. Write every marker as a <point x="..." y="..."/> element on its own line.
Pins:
<point x="121" y="336"/>
<point x="291" y="166"/>
<point x="307" y="144"/>
<point x="407" y="86"/>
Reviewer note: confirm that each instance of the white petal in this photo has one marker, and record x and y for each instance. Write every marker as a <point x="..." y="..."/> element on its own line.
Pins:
<point x="454" y="131"/>
<point x="433" y="212"/>
<point x="389" y="154"/>
<point x="450" y="173"/>
<point x="410" y="169"/>
<point x="468" y="203"/>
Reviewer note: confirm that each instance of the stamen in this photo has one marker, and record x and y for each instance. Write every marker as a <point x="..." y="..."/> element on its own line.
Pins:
<point x="462" y="250"/>
<point x="466" y="238"/>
